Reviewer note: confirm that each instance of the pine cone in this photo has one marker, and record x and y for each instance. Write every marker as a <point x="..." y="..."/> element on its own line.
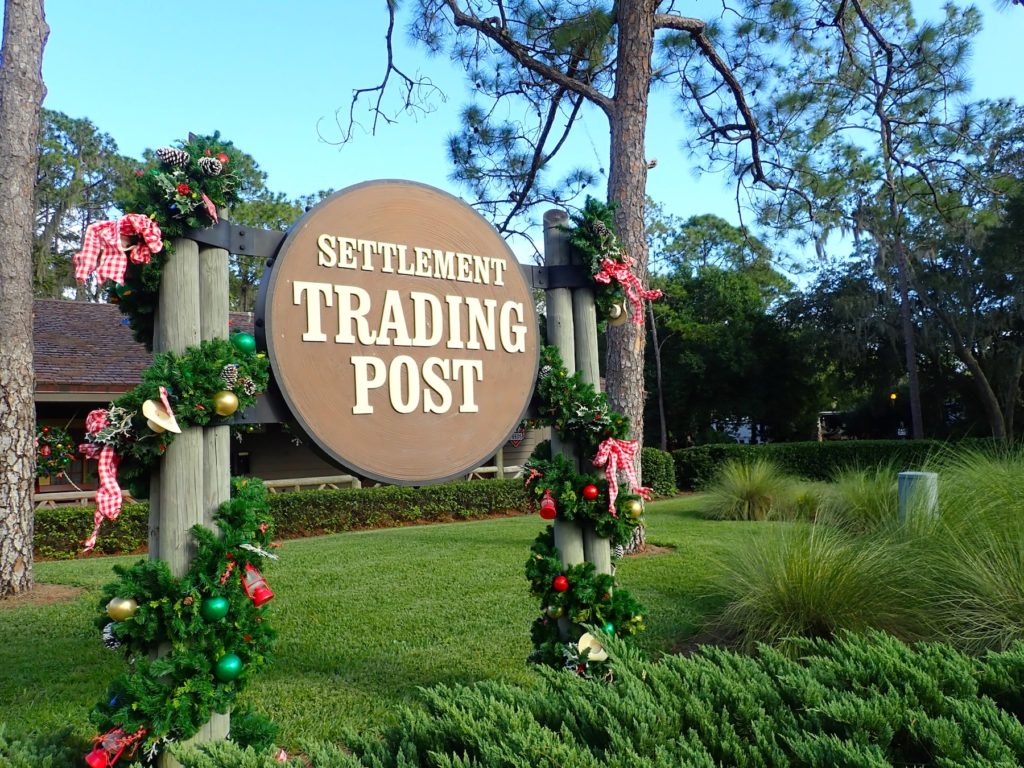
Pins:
<point x="248" y="386"/>
<point x="211" y="166"/>
<point x="229" y="373"/>
<point x="109" y="640"/>
<point x="177" y="158"/>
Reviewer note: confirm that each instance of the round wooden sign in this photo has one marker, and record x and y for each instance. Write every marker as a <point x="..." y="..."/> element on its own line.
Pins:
<point x="401" y="332"/>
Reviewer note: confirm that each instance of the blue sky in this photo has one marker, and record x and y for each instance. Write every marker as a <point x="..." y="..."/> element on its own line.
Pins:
<point x="270" y="75"/>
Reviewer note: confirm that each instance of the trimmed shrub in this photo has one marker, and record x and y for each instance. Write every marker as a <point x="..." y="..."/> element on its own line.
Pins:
<point x="860" y="700"/>
<point x="754" y="490"/>
<point x="695" y="467"/>
<point x="659" y="471"/>
<point x="60" y="531"/>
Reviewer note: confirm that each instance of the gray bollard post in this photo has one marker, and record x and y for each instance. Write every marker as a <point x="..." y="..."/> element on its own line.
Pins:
<point x="918" y="494"/>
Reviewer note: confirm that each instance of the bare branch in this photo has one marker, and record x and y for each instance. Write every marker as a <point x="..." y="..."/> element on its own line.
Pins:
<point x="499" y="35"/>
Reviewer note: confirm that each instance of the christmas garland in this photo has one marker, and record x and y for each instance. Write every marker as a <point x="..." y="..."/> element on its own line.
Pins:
<point x="55" y="450"/>
<point x="582" y="416"/>
<point x="181" y="189"/>
<point x="210" y="621"/>
<point x="582" y="597"/>
<point x="574" y="409"/>
<point x="619" y="295"/>
<point x="205" y="384"/>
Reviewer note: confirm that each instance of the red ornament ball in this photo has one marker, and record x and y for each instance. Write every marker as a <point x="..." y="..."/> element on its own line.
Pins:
<point x="184" y="189"/>
<point x="222" y="157"/>
<point x="590" y="492"/>
<point x="561" y="584"/>
<point x="45" y="450"/>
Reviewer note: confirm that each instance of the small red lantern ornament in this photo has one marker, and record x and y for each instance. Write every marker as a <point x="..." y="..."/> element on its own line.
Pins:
<point x="256" y="586"/>
<point x="561" y="584"/>
<point x="590" y="492"/>
<point x="109" y="747"/>
<point x="547" y="507"/>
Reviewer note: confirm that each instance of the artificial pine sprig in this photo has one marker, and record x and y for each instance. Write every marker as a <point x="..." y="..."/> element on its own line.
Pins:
<point x="591" y="599"/>
<point x="171" y="192"/>
<point x="573" y="408"/>
<point x="173" y="694"/>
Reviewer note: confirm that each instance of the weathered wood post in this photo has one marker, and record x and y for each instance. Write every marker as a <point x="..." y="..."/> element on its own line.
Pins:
<point x="213" y="324"/>
<point x="560" y="333"/>
<point x="182" y="493"/>
<point x="596" y="549"/>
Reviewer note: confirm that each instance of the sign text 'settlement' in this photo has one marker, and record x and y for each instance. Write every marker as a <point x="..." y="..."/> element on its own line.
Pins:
<point x="401" y="331"/>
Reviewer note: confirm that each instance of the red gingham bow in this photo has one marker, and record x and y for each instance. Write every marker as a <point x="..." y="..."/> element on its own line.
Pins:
<point x="636" y="293"/>
<point x="617" y="456"/>
<point x="108" y="495"/>
<point x="102" y="245"/>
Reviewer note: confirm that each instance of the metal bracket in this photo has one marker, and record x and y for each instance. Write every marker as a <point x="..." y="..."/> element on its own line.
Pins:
<point x="245" y="241"/>
<point x="561" y="276"/>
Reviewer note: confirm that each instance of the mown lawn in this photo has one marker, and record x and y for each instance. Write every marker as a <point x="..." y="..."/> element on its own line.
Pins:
<point x="363" y="619"/>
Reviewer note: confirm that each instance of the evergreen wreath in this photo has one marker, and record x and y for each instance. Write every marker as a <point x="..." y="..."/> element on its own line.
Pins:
<point x="55" y="450"/>
<point x="177" y="188"/>
<point x="193" y="380"/>
<point x="215" y="635"/>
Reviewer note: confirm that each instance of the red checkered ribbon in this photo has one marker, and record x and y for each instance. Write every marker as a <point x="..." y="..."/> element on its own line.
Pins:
<point x="108" y="495"/>
<point x="635" y="292"/>
<point x="102" y="246"/>
<point x="618" y="456"/>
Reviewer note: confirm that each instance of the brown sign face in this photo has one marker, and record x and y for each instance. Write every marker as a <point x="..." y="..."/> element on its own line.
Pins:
<point x="401" y="332"/>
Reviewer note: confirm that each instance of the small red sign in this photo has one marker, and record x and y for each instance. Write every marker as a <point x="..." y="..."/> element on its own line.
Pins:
<point x="516" y="438"/>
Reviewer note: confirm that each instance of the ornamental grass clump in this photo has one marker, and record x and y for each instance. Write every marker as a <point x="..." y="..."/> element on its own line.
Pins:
<point x="814" y="581"/>
<point x="861" y="500"/>
<point x="978" y="554"/>
<point x="752" y="490"/>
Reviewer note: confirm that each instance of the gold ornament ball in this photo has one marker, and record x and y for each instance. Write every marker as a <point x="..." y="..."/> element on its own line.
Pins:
<point x="634" y="509"/>
<point x="618" y="314"/>
<point x="122" y="608"/>
<point x="225" y="403"/>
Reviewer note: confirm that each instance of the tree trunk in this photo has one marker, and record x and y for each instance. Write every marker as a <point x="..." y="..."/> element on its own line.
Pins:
<point x="21" y="97"/>
<point x="1012" y="393"/>
<point x="627" y="186"/>
<point x="662" y="421"/>
<point x="909" y="340"/>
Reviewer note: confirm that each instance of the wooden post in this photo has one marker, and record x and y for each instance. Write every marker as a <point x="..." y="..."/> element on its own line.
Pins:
<point x="181" y="473"/>
<point x="568" y="534"/>
<point x="596" y="549"/>
<point x="180" y="490"/>
<point x="213" y="324"/>
<point x="499" y="462"/>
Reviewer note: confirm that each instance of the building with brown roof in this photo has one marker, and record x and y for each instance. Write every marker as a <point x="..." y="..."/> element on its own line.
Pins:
<point x="85" y="357"/>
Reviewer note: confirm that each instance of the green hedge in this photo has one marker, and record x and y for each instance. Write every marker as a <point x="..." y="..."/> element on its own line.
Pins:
<point x="811" y="460"/>
<point x="61" y="530"/>
<point x="659" y="471"/>
<point x="858" y="701"/>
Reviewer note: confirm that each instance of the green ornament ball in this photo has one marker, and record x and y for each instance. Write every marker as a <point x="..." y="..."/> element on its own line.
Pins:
<point x="609" y="628"/>
<point x="555" y="611"/>
<point x="244" y="342"/>
<point x="214" y="608"/>
<point x="229" y="666"/>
